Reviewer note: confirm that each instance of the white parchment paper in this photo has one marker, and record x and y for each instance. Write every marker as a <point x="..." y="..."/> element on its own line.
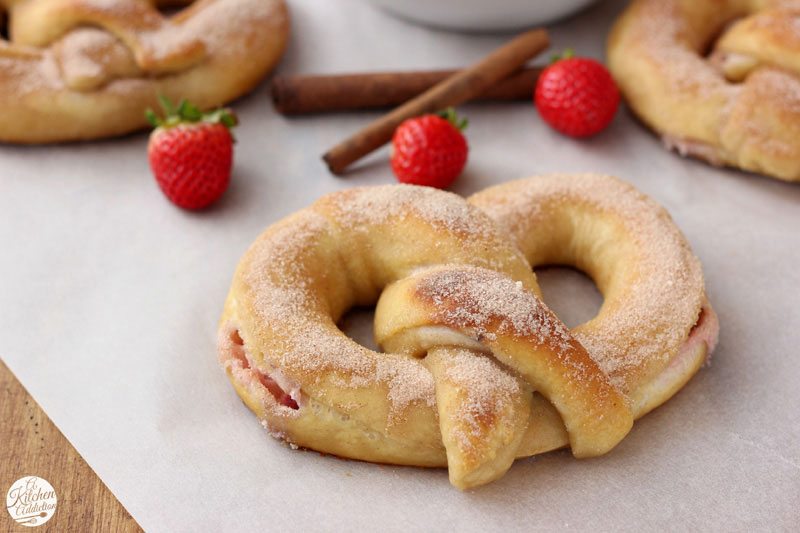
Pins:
<point x="110" y="299"/>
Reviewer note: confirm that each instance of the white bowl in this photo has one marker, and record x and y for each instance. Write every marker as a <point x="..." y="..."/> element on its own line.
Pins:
<point x="482" y="15"/>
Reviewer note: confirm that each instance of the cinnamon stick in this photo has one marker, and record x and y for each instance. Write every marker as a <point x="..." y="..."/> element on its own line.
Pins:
<point x="298" y="95"/>
<point x="453" y="91"/>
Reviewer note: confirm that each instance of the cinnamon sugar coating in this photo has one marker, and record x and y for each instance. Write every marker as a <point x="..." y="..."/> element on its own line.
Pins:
<point x="651" y="281"/>
<point x="503" y="376"/>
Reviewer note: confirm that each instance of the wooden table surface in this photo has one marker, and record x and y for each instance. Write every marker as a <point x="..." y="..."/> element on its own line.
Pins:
<point x="33" y="446"/>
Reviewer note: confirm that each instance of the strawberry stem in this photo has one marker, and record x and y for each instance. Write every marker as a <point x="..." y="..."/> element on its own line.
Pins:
<point x="450" y="115"/>
<point x="568" y="53"/>
<point x="189" y="112"/>
<point x="186" y="112"/>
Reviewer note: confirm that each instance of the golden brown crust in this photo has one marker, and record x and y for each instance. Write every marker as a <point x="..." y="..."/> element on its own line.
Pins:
<point x="452" y="285"/>
<point x="483" y="410"/>
<point x="738" y="107"/>
<point x="61" y="80"/>
<point x="512" y="324"/>
<point x="305" y="271"/>
<point x="652" y="282"/>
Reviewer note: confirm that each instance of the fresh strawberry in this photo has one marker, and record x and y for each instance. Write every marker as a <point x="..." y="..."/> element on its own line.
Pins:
<point x="191" y="153"/>
<point x="576" y="96"/>
<point x="430" y="150"/>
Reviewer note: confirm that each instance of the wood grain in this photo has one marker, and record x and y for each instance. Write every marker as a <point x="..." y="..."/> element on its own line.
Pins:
<point x="32" y="445"/>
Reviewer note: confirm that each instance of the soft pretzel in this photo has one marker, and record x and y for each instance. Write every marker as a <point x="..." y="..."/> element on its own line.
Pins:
<point x="740" y="105"/>
<point x="466" y="337"/>
<point x="83" y="69"/>
<point x="656" y="326"/>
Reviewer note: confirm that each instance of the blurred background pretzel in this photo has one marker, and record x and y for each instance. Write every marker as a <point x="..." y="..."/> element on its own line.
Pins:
<point x="718" y="80"/>
<point x="155" y="41"/>
<point x="82" y="69"/>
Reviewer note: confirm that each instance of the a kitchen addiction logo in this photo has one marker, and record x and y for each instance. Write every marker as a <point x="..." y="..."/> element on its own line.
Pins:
<point x="31" y="501"/>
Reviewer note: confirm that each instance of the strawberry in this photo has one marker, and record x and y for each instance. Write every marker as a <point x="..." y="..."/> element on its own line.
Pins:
<point x="576" y="96"/>
<point x="191" y="153"/>
<point x="430" y="150"/>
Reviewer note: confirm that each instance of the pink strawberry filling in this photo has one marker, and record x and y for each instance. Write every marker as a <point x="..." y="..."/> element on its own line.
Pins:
<point x="276" y="391"/>
<point x="698" y="346"/>
<point x="237" y="351"/>
<point x="706" y="330"/>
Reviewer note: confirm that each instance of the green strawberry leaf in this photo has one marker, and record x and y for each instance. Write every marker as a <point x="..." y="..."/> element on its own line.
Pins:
<point x="152" y="118"/>
<point x="189" y="112"/>
<point x="568" y="53"/>
<point x="229" y="120"/>
<point x="223" y="116"/>
<point x="166" y="105"/>
<point x="186" y="112"/>
<point x="450" y="115"/>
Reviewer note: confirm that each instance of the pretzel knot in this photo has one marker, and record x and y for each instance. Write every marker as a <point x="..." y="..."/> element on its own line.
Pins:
<point x="78" y="69"/>
<point x="476" y="369"/>
<point x="738" y="104"/>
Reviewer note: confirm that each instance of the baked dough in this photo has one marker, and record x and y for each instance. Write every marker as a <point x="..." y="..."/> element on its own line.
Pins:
<point x="655" y="312"/>
<point x="737" y="104"/>
<point x="455" y="286"/>
<point x="84" y="69"/>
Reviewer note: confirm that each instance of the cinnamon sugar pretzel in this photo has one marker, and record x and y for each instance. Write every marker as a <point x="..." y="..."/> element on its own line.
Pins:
<point x="84" y="69"/>
<point x="477" y="371"/>
<point x="740" y="105"/>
